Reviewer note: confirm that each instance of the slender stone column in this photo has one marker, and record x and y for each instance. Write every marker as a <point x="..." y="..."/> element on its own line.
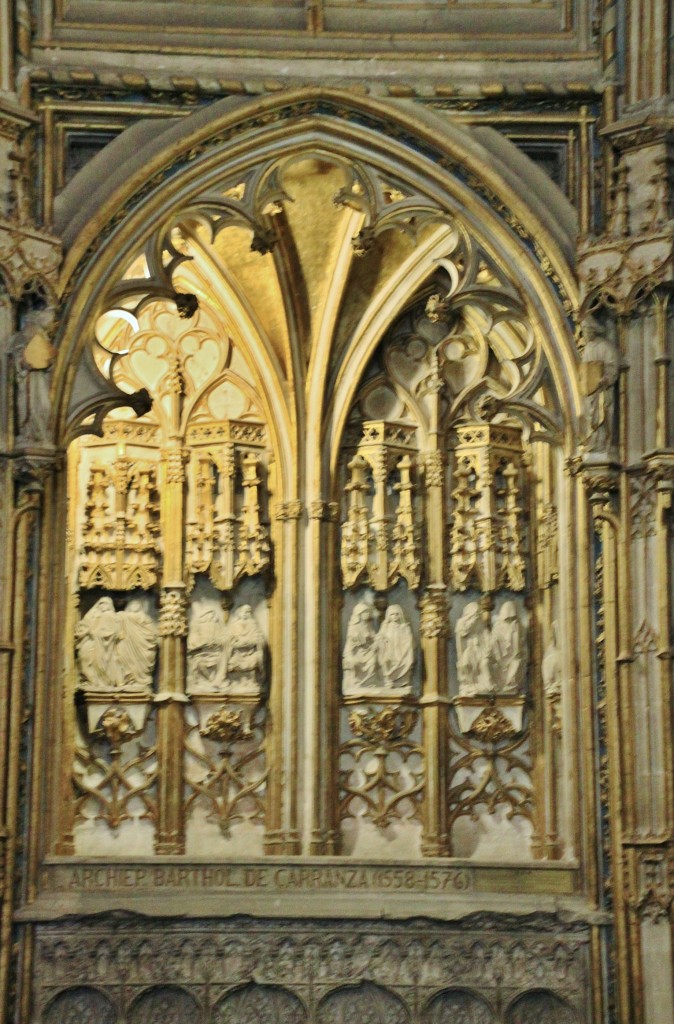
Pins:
<point x="170" y="837"/>
<point x="434" y="631"/>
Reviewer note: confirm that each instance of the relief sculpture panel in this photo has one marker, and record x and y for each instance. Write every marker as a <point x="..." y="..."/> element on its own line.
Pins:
<point x="335" y="972"/>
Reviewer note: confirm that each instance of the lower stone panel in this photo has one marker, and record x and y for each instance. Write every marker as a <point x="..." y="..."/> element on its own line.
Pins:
<point x="485" y="969"/>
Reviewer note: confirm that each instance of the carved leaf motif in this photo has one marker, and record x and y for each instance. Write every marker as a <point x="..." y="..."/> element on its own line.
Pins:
<point x="458" y="1008"/>
<point x="169" y="1004"/>
<point x="80" y="1006"/>
<point x="535" y="1007"/>
<point x="491" y="725"/>
<point x="367" y="1004"/>
<point x="260" y="1004"/>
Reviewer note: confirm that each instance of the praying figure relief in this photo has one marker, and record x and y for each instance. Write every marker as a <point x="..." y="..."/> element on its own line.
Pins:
<point x="374" y="661"/>
<point x="205" y="644"/>
<point x="244" y="653"/>
<point x="490" y="661"/>
<point x="551" y="668"/>
<point x="472" y="649"/>
<point x="116" y="650"/>
<point x="226" y="659"/>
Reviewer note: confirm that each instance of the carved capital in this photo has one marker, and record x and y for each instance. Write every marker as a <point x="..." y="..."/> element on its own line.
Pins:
<point x="327" y="511"/>
<point x="287" y="510"/>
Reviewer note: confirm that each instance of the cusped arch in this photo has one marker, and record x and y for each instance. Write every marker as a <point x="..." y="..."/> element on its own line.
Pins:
<point x="82" y="1005"/>
<point x="538" y="1006"/>
<point x="169" y="1004"/>
<point x="455" y="1005"/>
<point x="364" y="1002"/>
<point x="474" y="171"/>
<point x="259" y="1004"/>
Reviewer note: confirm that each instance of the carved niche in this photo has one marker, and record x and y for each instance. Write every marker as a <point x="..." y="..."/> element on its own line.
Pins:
<point x="171" y="511"/>
<point x="452" y="443"/>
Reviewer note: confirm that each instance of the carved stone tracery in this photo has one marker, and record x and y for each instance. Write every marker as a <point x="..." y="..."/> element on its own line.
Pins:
<point x="319" y="970"/>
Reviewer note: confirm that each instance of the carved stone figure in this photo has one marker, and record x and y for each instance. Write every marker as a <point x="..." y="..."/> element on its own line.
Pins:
<point x="116" y="650"/>
<point x="33" y="354"/>
<point x="472" y="646"/>
<point x="359" y="660"/>
<point x="395" y="649"/>
<point x="506" y="655"/>
<point x="552" y="666"/>
<point x="244" y="653"/>
<point x="599" y="373"/>
<point x="205" y="647"/>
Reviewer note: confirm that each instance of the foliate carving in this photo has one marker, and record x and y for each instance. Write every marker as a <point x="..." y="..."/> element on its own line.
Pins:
<point x="381" y="773"/>
<point x="288" y="510"/>
<point x="434" y="614"/>
<point x="450" y="1007"/>
<point x="534" y="1007"/>
<point x="174" y="462"/>
<point x="227" y="537"/>
<point x="492" y="767"/>
<point x="116" y="651"/>
<point x="488" y="531"/>
<point x="121" y="526"/>
<point x="111" y="783"/>
<point x="367" y="1002"/>
<point x="377" y="662"/>
<point x="227" y="774"/>
<point x="327" y="511"/>
<point x="84" y="1005"/>
<point x="428" y="966"/>
<point x="260" y="1004"/>
<point x="172" y="612"/>
<point x="380" y="542"/>
<point x="491" y="726"/>
<point x="434" y="469"/>
<point x="490" y="660"/>
<point x="168" y="1004"/>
